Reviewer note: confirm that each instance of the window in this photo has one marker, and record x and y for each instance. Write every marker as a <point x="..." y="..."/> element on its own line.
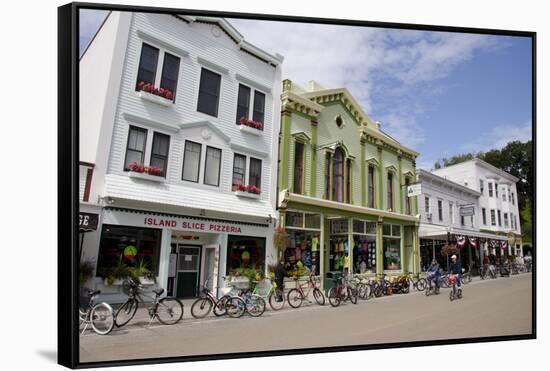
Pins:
<point x="209" y="92"/>
<point x="407" y="198"/>
<point x="427" y="205"/>
<point x="327" y="176"/>
<point x="493" y="218"/>
<point x="243" y="103"/>
<point x="212" y="166"/>
<point x="481" y="189"/>
<point x="506" y="220"/>
<point x="255" y="175"/>
<point x="512" y="221"/>
<point x="499" y="218"/>
<point x="496" y="190"/>
<point x="504" y="194"/>
<point x="440" y="210"/>
<point x="472" y="221"/>
<point x="451" y="214"/>
<point x="484" y="216"/>
<point x="509" y="198"/>
<point x="371" y="187"/>
<point x="513" y="200"/>
<point x="298" y="167"/>
<point x="391" y="242"/>
<point x="515" y="222"/>
<point x="170" y="73"/>
<point x="490" y="189"/>
<point x="348" y="181"/>
<point x="259" y="107"/>
<point x="462" y="220"/>
<point x="239" y="170"/>
<point x="390" y="191"/>
<point x="159" y="152"/>
<point x="245" y="252"/>
<point x="147" y="65"/>
<point x="135" y="149"/>
<point x="191" y="161"/>
<point x="129" y="245"/>
<point x="338" y="176"/>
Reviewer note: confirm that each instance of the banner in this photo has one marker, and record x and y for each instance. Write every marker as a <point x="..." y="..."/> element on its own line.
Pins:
<point x="493" y="243"/>
<point x="504" y="245"/>
<point x="460" y="241"/>
<point x="473" y="242"/>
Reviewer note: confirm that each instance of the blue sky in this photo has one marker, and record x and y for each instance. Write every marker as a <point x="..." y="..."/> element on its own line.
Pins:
<point x="439" y="93"/>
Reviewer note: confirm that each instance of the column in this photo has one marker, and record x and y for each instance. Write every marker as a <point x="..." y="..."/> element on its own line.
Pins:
<point x="380" y="178"/>
<point x="313" y="163"/>
<point x="164" y="257"/>
<point x="362" y="174"/>
<point x="416" y="252"/>
<point x="322" y="251"/>
<point x="400" y="179"/>
<point x="284" y="165"/>
<point x="350" y="244"/>
<point x="379" y="250"/>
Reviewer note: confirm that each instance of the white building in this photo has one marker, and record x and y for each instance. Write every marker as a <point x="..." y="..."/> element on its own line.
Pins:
<point x="449" y="213"/>
<point x="179" y="123"/>
<point x="498" y="207"/>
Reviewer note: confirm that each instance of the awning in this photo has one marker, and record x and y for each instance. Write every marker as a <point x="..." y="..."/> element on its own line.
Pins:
<point x="440" y="233"/>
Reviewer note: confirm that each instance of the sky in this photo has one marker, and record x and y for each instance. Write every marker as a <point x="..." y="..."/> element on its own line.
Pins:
<point x="438" y="93"/>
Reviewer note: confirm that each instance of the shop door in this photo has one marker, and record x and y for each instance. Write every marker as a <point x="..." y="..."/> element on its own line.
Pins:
<point x="187" y="281"/>
<point x="210" y="260"/>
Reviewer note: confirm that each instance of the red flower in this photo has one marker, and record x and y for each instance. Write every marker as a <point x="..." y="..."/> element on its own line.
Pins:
<point x="140" y="85"/>
<point x="168" y="94"/>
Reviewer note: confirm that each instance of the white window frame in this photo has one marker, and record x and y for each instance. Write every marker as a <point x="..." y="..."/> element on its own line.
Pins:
<point x="247" y="170"/>
<point x="148" y="145"/>
<point x="250" y="101"/>
<point x="160" y="65"/>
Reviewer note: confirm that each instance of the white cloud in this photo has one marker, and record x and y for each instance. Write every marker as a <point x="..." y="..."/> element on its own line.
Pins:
<point x="502" y="135"/>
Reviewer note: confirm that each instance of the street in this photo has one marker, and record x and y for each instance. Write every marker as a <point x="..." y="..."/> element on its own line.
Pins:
<point x="488" y="308"/>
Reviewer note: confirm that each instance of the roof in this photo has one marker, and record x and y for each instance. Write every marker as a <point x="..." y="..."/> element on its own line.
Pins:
<point x="426" y="174"/>
<point x="488" y="166"/>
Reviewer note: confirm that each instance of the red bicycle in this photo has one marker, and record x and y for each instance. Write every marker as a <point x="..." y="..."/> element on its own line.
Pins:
<point x="341" y="292"/>
<point x="297" y="295"/>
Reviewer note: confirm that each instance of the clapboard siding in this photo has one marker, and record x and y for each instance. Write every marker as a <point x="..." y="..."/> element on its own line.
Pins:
<point x="199" y="43"/>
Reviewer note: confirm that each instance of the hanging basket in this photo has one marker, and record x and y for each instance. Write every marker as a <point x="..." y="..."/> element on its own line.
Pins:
<point x="447" y="250"/>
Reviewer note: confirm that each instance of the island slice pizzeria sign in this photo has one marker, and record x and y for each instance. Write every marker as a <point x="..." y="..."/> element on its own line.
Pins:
<point x="138" y="219"/>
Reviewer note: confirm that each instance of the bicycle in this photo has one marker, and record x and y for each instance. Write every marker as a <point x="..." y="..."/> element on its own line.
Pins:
<point x="296" y="296"/>
<point x="203" y="305"/>
<point x="341" y="292"/>
<point x="100" y="316"/>
<point x="362" y="287"/>
<point x="167" y="310"/>
<point x="433" y="284"/>
<point x="245" y="301"/>
<point x="419" y="284"/>
<point x="456" y="293"/>
<point x="466" y="276"/>
<point x="269" y="291"/>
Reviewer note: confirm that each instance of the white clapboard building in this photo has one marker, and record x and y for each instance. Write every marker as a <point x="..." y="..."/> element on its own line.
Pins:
<point x="179" y="121"/>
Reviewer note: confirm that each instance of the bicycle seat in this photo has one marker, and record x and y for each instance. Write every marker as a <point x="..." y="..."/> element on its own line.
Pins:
<point x="158" y="291"/>
<point x="94" y="292"/>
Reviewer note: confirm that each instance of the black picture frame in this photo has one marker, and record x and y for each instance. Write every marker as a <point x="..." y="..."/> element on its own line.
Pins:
<point x="68" y="203"/>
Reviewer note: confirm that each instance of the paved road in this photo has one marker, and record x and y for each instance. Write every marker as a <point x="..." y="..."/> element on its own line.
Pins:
<point x="489" y="308"/>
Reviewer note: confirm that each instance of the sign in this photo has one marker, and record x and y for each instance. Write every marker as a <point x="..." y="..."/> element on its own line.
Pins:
<point x="87" y="221"/>
<point x="188" y="258"/>
<point x="414" y="190"/>
<point x="467" y="210"/>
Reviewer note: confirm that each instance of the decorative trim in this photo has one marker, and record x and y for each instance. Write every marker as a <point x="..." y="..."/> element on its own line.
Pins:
<point x="148" y="122"/>
<point x="250" y="130"/>
<point x="391" y="168"/>
<point x="373" y="161"/>
<point x="295" y="102"/>
<point x="155" y="40"/>
<point x="208" y="124"/>
<point x="214" y="66"/>
<point x="253" y="83"/>
<point x="301" y="137"/>
<point x="248" y="150"/>
<point x="144" y="176"/>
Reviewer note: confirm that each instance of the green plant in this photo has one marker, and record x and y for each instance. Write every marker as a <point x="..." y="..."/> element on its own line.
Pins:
<point x="141" y="271"/>
<point x="252" y="274"/>
<point x="118" y="271"/>
<point x="86" y="271"/>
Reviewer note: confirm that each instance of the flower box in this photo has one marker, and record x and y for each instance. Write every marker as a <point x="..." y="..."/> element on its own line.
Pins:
<point x="246" y="194"/>
<point x="117" y="282"/>
<point x="160" y="96"/>
<point x="250" y="130"/>
<point x="145" y="176"/>
<point x="154" y="98"/>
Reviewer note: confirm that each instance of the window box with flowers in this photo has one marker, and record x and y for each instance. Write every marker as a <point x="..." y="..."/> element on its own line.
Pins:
<point x="140" y="171"/>
<point x="250" y="191"/>
<point x="251" y="126"/>
<point x="160" y="96"/>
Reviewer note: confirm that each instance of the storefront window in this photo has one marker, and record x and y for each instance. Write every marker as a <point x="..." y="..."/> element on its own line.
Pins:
<point x="313" y="221"/>
<point x="392" y="246"/>
<point x="128" y="246"/>
<point x="339" y="244"/>
<point x="364" y="246"/>
<point x="294" y="219"/>
<point x="245" y="254"/>
<point x="302" y="253"/>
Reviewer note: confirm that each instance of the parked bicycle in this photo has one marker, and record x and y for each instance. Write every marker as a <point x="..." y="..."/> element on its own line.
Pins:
<point x="245" y="301"/>
<point x="100" y="316"/>
<point x="342" y="292"/>
<point x="456" y="292"/>
<point x="208" y="302"/>
<point x="297" y="295"/>
<point x="269" y="291"/>
<point x="167" y="310"/>
<point x="362" y="287"/>
<point x="418" y="284"/>
<point x="400" y="284"/>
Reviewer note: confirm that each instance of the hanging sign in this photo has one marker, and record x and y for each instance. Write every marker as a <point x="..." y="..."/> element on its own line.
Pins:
<point x="87" y="221"/>
<point x="467" y="210"/>
<point x="414" y="190"/>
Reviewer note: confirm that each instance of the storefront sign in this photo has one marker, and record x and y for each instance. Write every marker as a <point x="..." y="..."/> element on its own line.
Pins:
<point x="414" y="190"/>
<point x="121" y="217"/>
<point x="467" y="210"/>
<point x="87" y="221"/>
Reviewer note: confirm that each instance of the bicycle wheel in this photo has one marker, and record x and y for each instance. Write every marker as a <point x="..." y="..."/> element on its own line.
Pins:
<point x="126" y="312"/>
<point x="352" y="294"/>
<point x="235" y="307"/>
<point x="201" y="307"/>
<point x="276" y="300"/>
<point x="169" y="311"/>
<point x="333" y="297"/>
<point x="421" y="284"/>
<point x="255" y="305"/>
<point x="378" y="291"/>
<point x="295" y="298"/>
<point x="219" y="307"/>
<point x="319" y="297"/>
<point x="102" y="318"/>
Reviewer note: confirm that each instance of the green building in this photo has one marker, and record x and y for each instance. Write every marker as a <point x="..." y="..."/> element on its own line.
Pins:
<point x="342" y="187"/>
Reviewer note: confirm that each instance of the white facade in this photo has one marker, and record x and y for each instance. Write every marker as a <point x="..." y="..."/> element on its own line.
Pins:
<point x="111" y="104"/>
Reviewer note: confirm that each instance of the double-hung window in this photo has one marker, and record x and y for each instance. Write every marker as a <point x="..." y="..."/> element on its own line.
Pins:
<point x="490" y="189"/>
<point x="440" y="210"/>
<point x="407" y="198"/>
<point x="390" y="191"/>
<point x="298" y="167"/>
<point x="499" y="218"/>
<point x="259" y="107"/>
<point x="484" y="215"/>
<point x="481" y="186"/>
<point x="159" y="152"/>
<point x="243" y="103"/>
<point x="505" y="220"/>
<point x="371" y="186"/>
<point x="191" y="161"/>
<point x="493" y="217"/>
<point x="148" y="71"/>
<point x="255" y="173"/>
<point x="451" y="214"/>
<point x="496" y="190"/>
<point x="239" y="171"/>
<point x="427" y="206"/>
<point x="212" y="166"/>
<point x="209" y="92"/>
<point x="135" y="149"/>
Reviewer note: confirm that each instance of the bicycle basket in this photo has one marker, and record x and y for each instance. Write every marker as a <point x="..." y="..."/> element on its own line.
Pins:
<point x="240" y="283"/>
<point x="263" y="287"/>
<point x="128" y="287"/>
<point x="84" y="300"/>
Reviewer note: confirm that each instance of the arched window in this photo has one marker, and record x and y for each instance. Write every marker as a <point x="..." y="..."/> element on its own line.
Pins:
<point x="338" y="176"/>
